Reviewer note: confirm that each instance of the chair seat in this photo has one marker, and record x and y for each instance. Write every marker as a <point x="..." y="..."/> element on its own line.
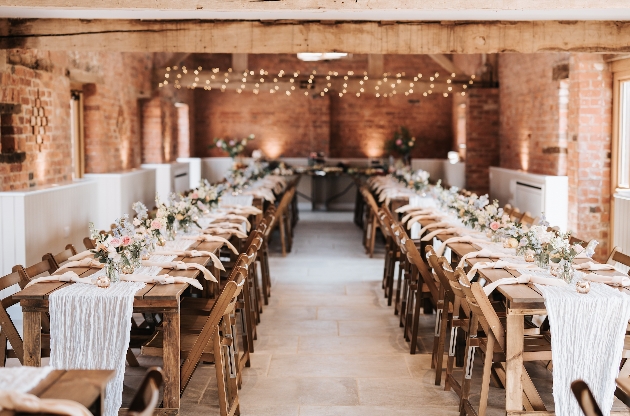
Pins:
<point x="154" y="347"/>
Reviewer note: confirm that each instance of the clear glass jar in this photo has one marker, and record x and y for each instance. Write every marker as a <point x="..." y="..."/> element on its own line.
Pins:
<point x="542" y="259"/>
<point x="111" y="271"/>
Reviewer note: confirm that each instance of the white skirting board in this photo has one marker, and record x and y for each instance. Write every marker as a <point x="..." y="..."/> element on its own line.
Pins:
<point x="537" y="194"/>
<point x="37" y="221"/>
<point x="118" y="191"/>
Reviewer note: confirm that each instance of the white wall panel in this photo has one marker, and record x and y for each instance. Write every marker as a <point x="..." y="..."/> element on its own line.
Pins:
<point x="552" y="199"/>
<point x="43" y="220"/>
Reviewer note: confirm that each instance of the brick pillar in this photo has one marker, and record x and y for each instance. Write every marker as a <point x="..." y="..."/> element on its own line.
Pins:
<point x="183" y="130"/>
<point x="482" y="137"/>
<point x="588" y="161"/>
<point x="95" y="133"/>
<point x="152" y="138"/>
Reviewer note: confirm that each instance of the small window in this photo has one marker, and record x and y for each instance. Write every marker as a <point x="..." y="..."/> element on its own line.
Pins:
<point x="624" y="135"/>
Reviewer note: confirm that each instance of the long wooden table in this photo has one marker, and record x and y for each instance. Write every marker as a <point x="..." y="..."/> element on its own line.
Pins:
<point x="86" y="387"/>
<point x="520" y="300"/>
<point x="155" y="298"/>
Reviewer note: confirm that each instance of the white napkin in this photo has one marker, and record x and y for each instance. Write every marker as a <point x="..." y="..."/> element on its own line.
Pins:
<point x="193" y="253"/>
<point x="419" y="218"/>
<point x="464" y="239"/>
<point x="230" y="231"/>
<point x="81" y="255"/>
<point x="589" y="265"/>
<point x="163" y="279"/>
<point x="452" y="230"/>
<point x="621" y="281"/>
<point x="180" y="265"/>
<point x="66" y="277"/>
<point x="499" y="265"/>
<point x="417" y="212"/>
<point x="523" y="279"/>
<point x="441" y="224"/>
<point x="483" y="253"/>
<point x="86" y="262"/>
<point x="14" y="401"/>
<point x="211" y="238"/>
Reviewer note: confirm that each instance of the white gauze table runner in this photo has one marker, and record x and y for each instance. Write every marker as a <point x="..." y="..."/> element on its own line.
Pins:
<point x="89" y="326"/>
<point x="587" y="341"/>
<point x="418" y="201"/>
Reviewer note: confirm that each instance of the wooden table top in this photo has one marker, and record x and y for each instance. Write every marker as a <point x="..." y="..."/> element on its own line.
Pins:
<point x="81" y="386"/>
<point x="147" y="295"/>
<point x="521" y="299"/>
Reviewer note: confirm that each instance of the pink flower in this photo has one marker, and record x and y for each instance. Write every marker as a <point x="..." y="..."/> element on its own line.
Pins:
<point x="156" y="224"/>
<point x="194" y="195"/>
<point x="398" y="142"/>
<point x="115" y="242"/>
<point x="494" y="225"/>
<point x="126" y="240"/>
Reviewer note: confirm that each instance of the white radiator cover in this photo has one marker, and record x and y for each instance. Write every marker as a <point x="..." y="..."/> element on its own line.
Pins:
<point x="531" y="192"/>
<point x="118" y="191"/>
<point x="43" y="220"/>
<point x="170" y="177"/>
<point x="194" y="170"/>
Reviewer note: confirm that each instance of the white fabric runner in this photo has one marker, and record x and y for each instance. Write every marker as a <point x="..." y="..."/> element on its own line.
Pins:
<point x="22" y="379"/>
<point x="231" y="200"/>
<point x="89" y="329"/>
<point x="587" y="342"/>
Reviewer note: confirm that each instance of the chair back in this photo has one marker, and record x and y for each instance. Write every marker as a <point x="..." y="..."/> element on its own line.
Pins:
<point x="527" y="219"/>
<point x="585" y="398"/>
<point x="414" y="257"/>
<point x="616" y="256"/>
<point x="60" y="258"/>
<point x="224" y="305"/>
<point x="507" y="209"/>
<point x="89" y="243"/>
<point x="515" y="215"/>
<point x="7" y="327"/>
<point x="369" y="199"/>
<point x="146" y="398"/>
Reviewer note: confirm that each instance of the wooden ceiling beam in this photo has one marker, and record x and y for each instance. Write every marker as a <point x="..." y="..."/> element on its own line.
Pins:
<point x="447" y="64"/>
<point x="293" y="37"/>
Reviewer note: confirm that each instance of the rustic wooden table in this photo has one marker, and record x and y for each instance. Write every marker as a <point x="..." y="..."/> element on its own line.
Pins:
<point x="520" y="300"/>
<point x="155" y="298"/>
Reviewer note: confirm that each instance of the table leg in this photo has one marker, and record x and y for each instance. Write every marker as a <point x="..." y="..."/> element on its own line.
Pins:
<point x="514" y="363"/>
<point x="32" y="339"/>
<point x="171" y="359"/>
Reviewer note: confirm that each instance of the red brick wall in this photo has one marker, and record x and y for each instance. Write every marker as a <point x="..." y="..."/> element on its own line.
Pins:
<point x="111" y="113"/>
<point x="531" y="139"/>
<point x="361" y="126"/>
<point x="343" y="127"/>
<point x="482" y="142"/>
<point x="588" y="167"/>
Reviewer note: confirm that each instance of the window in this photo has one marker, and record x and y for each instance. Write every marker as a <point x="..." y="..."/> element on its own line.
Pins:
<point x="78" y="146"/>
<point x="623" y="156"/>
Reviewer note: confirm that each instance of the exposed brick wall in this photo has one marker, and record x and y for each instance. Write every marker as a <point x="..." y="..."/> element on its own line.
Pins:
<point x="342" y="127"/>
<point x="482" y="130"/>
<point x="588" y="167"/>
<point x="361" y="126"/>
<point x="531" y="136"/>
<point x="283" y="125"/>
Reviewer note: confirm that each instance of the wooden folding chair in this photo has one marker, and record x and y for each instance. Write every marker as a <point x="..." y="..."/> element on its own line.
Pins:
<point x="372" y="222"/>
<point x="8" y="332"/>
<point x="492" y="343"/>
<point x="585" y="398"/>
<point x="528" y="220"/>
<point x="215" y="342"/>
<point x="422" y="291"/>
<point x="283" y="222"/>
<point x="507" y="209"/>
<point x="392" y="252"/>
<point x="515" y="215"/>
<point x="616" y="256"/>
<point x="60" y="258"/>
<point x="263" y="257"/>
<point x="146" y="398"/>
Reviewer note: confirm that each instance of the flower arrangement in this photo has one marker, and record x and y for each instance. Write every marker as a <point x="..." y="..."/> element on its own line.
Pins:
<point x="122" y="249"/>
<point x="165" y="215"/>
<point x="206" y="196"/>
<point x="417" y="180"/>
<point x="535" y="244"/>
<point x="401" y="143"/>
<point x="152" y="226"/>
<point x="233" y="147"/>
<point x="562" y="253"/>
<point x="186" y="214"/>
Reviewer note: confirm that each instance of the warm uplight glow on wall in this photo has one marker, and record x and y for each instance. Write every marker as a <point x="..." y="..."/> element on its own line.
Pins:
<point x="272" y="148"/>
<point x="524" y="153"/>
<point x="373" y="146"/>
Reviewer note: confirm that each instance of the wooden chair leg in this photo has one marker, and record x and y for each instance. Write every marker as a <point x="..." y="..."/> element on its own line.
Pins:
<point x="282" y="235"/>
<point x="219" y="366"/>
<point x="263" y="280"/>
<point x="415" y="322"/>
<point x="441" y="340"/>
<point x="373" y="236"/>
<point x="266" y="273"/>
<point x="485" y="381"/>
<point x="131" y="359"/>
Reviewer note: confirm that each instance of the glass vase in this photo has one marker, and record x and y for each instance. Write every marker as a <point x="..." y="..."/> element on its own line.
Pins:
<point x="170" y="231"/>
<point x="566" y="272"/>
<point x="111" y="271"/>
<point x="542" y="259"/>
<point x="127" y="265"/>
